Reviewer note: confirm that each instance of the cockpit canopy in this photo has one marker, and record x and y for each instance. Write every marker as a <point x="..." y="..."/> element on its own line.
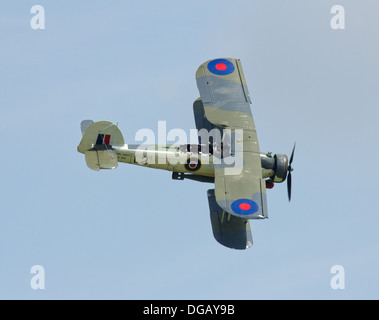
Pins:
<point x="197" y="148"/>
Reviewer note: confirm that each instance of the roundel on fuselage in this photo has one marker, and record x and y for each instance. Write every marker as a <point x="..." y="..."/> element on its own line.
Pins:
<point x="192" y="164"/>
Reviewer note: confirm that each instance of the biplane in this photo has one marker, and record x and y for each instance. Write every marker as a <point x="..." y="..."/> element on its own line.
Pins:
<point x="227" y="154"/>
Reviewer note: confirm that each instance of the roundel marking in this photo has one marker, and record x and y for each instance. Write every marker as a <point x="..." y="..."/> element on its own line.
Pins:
<point x="193" y="164"/>
<point x="244" y="206"/>
<point x="221" y="67"/>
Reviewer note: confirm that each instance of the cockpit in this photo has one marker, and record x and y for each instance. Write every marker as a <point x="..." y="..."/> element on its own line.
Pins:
<point x="197" y="148"/>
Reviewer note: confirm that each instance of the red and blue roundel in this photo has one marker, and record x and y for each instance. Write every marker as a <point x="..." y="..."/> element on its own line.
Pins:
<point x="221" y="67"/>
<point x="244" y="206"/>
<point x="193" y="164"/>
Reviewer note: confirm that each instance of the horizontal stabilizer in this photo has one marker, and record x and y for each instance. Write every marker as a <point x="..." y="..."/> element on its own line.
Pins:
<point x="229" y="230"/>
<point x="101" y="159"/>
<point x="84" y="125"/>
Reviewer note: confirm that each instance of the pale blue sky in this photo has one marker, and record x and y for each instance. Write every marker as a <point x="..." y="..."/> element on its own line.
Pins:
<point x="133" y="233"/>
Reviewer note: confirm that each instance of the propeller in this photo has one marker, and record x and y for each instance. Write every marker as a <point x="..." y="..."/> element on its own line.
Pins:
<point x="289" y="178"/>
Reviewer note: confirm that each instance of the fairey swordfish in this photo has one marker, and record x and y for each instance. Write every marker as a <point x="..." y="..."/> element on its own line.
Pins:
<point x="227" y="154"/>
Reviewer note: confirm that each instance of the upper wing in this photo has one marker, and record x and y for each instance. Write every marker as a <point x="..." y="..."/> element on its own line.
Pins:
<point x="239" y="187"/>
<point x="224" y="93"/>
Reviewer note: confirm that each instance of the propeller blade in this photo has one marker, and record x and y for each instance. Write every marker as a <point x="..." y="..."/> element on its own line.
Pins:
<point x="293" y="151"/>
<point x="289" y="185"/>
<point x="289" y="177"/>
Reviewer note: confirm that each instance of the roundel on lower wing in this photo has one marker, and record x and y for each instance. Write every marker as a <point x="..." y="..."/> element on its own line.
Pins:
<point x="221" y="67"/>
<point x="244" y="206"/>
<point x="192" y="164"/>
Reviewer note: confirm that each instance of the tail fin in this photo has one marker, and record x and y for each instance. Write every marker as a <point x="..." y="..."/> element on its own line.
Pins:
<point x="97" y="144"/>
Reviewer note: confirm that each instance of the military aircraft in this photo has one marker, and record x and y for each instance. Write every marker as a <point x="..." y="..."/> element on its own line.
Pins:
<point x="227" y="155"/>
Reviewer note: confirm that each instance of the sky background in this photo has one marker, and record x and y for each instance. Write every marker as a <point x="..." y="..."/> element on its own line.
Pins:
<point x="133" y="233"/>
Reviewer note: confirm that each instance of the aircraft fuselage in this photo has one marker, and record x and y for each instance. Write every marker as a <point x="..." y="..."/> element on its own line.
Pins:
<point x="172" y="158"/>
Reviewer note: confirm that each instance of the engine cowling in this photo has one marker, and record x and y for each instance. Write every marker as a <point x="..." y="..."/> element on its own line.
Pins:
<point x="277" y="168"/>
<point x="281" y="168"/>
